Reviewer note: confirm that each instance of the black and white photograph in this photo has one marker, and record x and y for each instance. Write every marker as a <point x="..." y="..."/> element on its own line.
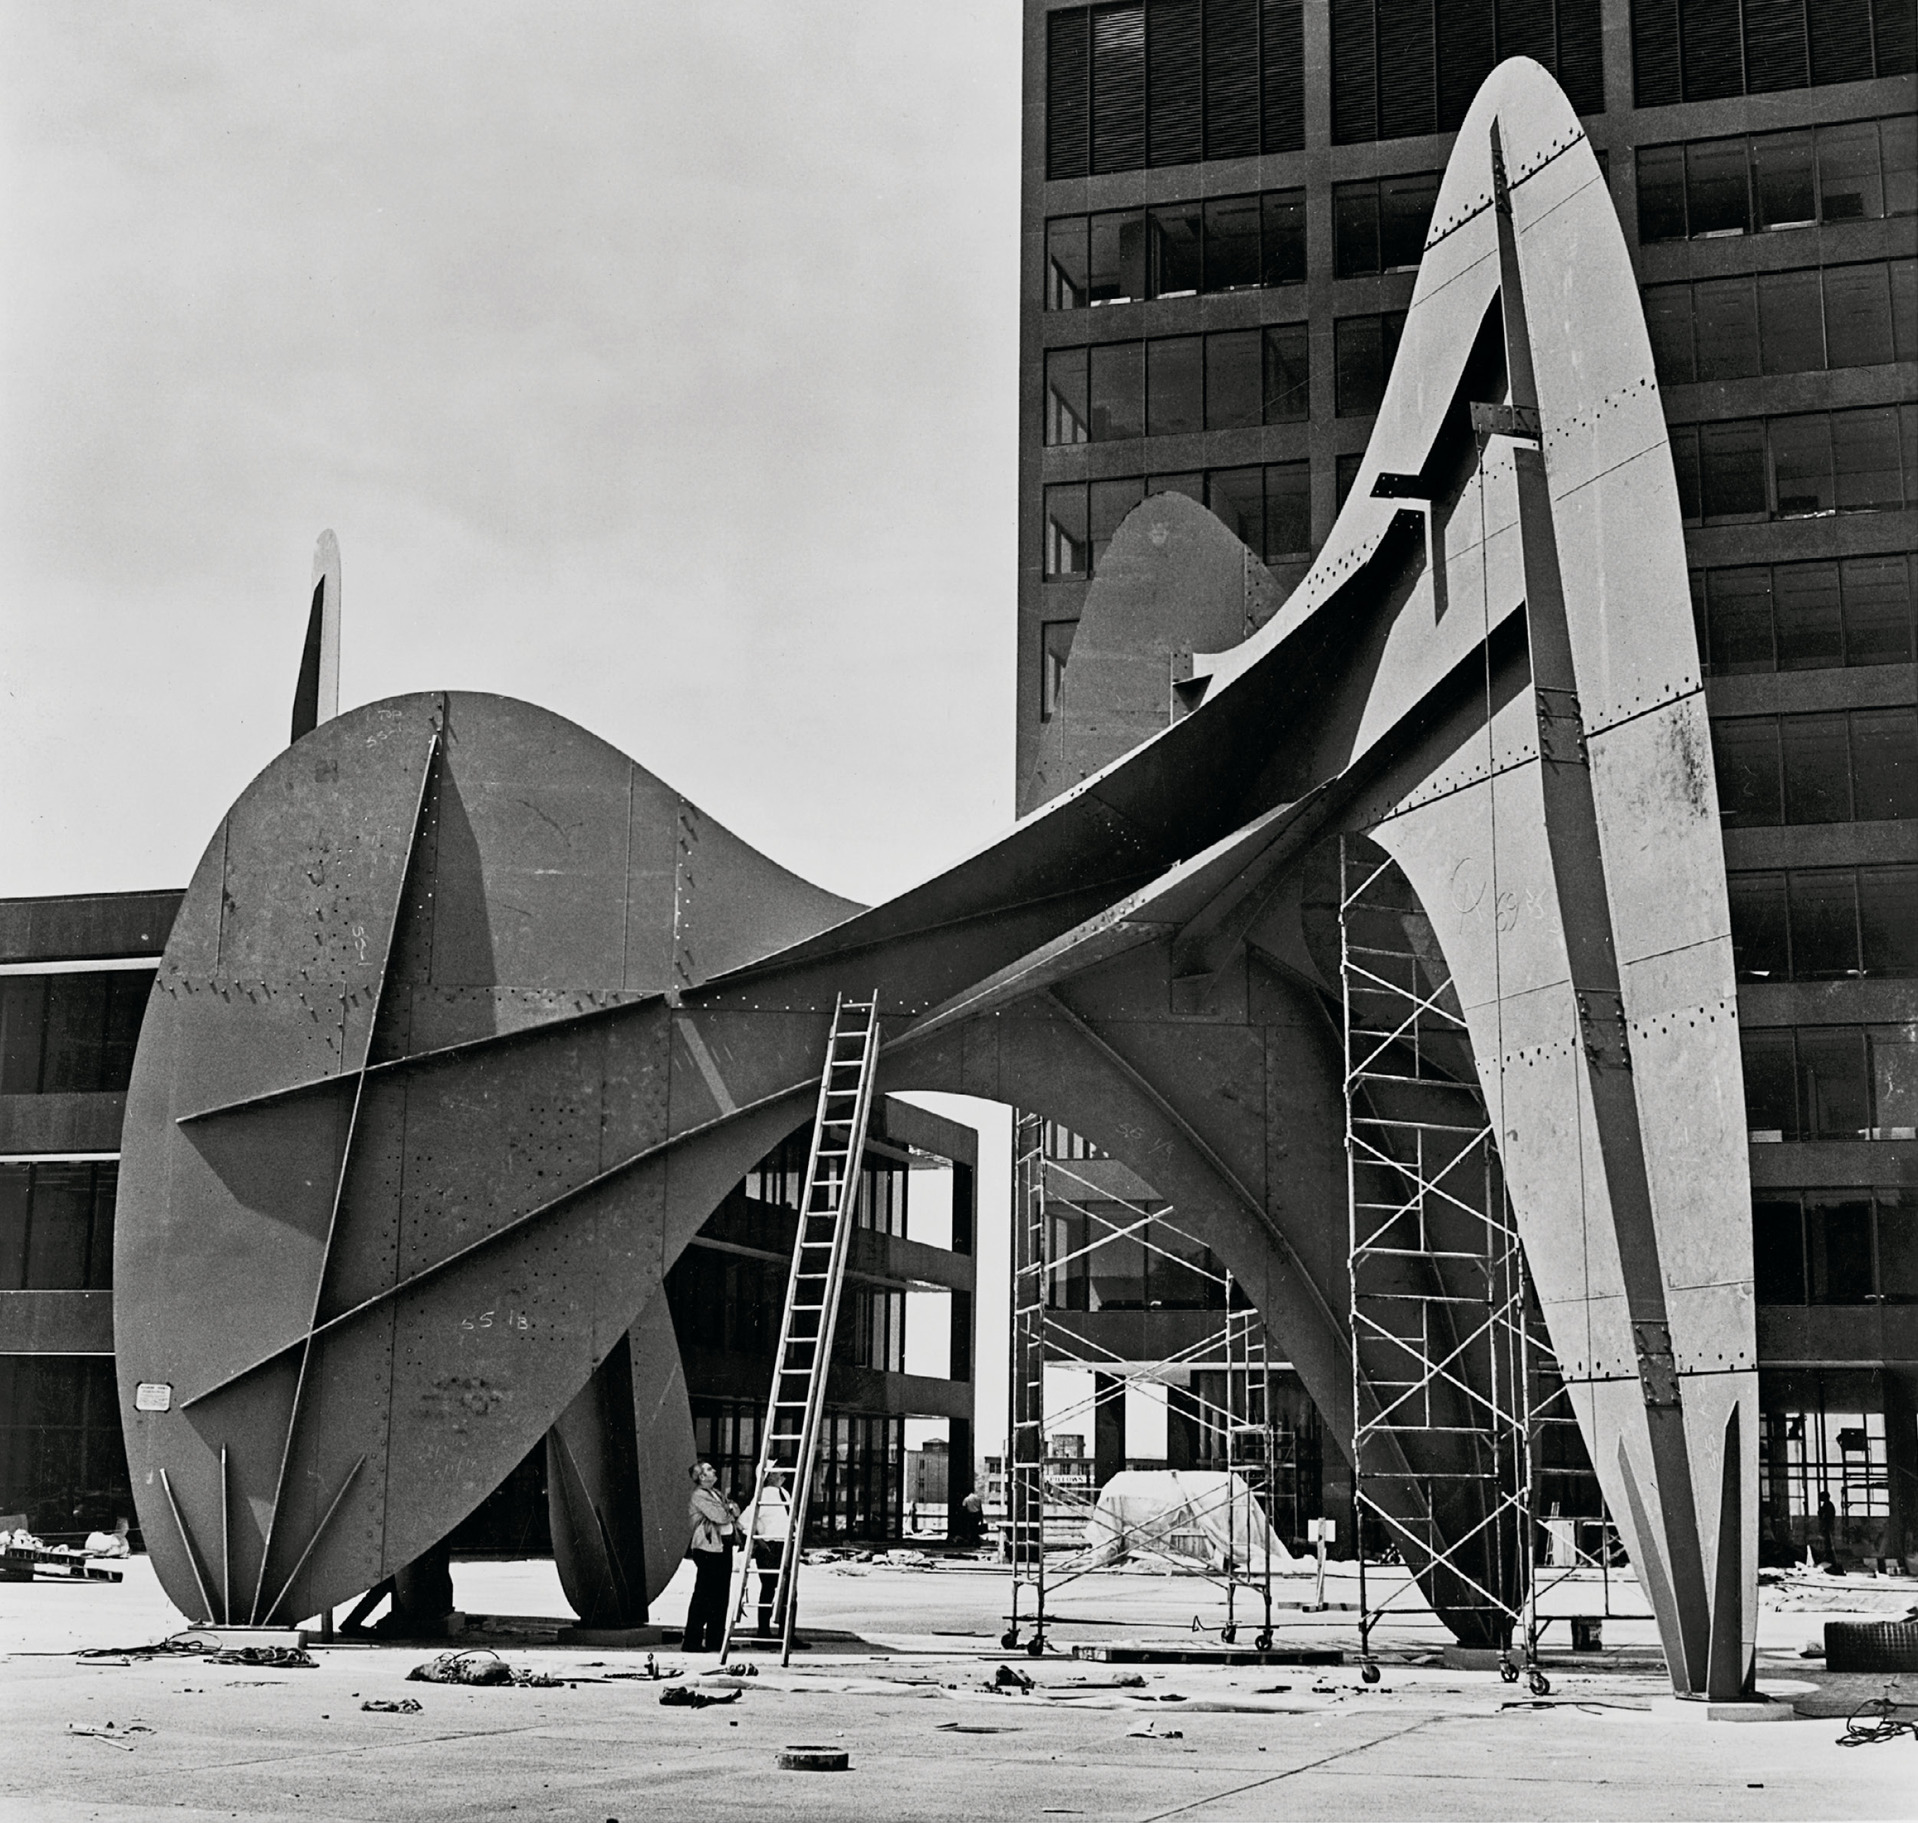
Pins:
<point x="947" y="912"/>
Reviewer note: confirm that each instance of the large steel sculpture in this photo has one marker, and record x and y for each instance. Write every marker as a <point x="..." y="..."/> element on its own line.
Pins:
<point x="468" y="1022"/>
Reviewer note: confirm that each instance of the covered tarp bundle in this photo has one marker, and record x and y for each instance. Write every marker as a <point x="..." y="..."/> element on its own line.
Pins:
<point x="1206" y="1518"/>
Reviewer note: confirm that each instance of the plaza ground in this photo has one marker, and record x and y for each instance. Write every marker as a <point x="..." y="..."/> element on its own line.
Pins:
<point x="898" y="1679"/>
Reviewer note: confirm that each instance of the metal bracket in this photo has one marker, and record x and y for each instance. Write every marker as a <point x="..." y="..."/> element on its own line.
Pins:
<point x="1561" y="727"/>
<point x="1657" y="1366"/>
<point x="1505" y="421"/>
<point x="1602" y="1029"/>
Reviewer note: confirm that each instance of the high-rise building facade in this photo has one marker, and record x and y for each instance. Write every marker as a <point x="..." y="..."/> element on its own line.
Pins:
<point x="1224" y="204"/>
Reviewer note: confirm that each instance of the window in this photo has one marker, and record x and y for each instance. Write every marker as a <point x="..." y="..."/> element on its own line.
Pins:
<point x="56" y="1226"/>
<point x="1231" y="380"/>
<point x="1835" y="1246"/>
<point x="1403" y="67"/>
<point x="1176" y="371"/>
<point x="1791" y="322"/>
<point x="1825" y="924"/>
<point x="1380" y="225"/>
<point x="1854" y="171"/>
<point x="1288" y="373"/>
<point x="1363" y="349"/>
<point x="1176" y="236"/>
<point x="1165" y="84"/>
<point x="1121" y="256"/>
<point x="1803" y="1455"/>
<point x="1701" y="50"/>
<point x="1117" y="391"/>
<point x="1832" y="1083"/>
<point x="1068" y="413"/>
<point x="1234" y="380"/>
<point x="1068" y="550"/>
<point x="1267" y="506"/>
<point x="1344" y="474"/>
<point x="1055" y="648"/>
<point x="70" y="1034"/>
<point x="1804" y="466"/>
<point x="1847" y="766"/>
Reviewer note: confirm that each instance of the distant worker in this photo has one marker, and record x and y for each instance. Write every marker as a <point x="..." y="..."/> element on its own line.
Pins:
<point x="715" y="1526"/>
<point x="769" y="1543"/>
<point x="969" y="1523"/>
<point x="1828" y="1524"/>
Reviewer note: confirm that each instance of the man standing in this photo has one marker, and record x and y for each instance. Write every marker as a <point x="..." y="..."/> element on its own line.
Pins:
<point x="770" y="1526"/>
<point x="715" y="1524"/>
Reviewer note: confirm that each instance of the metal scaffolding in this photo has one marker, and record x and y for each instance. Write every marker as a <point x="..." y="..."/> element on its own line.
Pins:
<point x="1255" y="1453"/>
<point x="1446" y="1336"/>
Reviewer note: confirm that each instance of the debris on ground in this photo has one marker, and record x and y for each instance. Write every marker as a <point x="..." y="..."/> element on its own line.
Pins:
<point x="114" y="1737"/>
<point x="279" y="1658"/>
<point x="684" y="1696"/>
<point x="478" y="1665"/>
<point x="183" y="1645"/>
<point x="1007" y="1678"/>
<point x="381" y="1705"/>
<point x="1151" y="1733"/>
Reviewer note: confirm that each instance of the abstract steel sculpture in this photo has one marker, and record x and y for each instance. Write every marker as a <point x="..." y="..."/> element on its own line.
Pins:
<point x="468" y="1022"/>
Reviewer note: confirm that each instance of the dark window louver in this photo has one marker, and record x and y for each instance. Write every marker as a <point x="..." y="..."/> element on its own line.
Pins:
<point x="1467" y="51"/>
<point x="1714" y="57"/>
<point x="1406" y="74"/>
<point x="1896" y="36"/>
<point x="1282" y="56"/>
<point x="1655" y="73"/>
<point x="1895" y="33"/>
<point x="1231" y="78"/>
<point x="1840" y="40"/>
<point x="1173" y="118"/>
<point x="1118" y="87"/>
<point x="1775" y="56"/>
<point x="1068" y="96"/>
<point x="1354" y="73"/>
<point x="1581" y="55"/>
<point x="1526" y="29"/>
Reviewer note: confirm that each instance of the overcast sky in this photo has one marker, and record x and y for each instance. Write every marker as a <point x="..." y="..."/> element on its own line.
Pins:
<point x="654" y="362"/>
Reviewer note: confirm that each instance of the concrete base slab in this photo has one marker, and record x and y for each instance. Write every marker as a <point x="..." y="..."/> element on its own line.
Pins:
<point x="1472" y="1658"/>
<point x="1695" y="1710"/>
<point x="617" y="1638"/>
<point x="1209" y="1655"/>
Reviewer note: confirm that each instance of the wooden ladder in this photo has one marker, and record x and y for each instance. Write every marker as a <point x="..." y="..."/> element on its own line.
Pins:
<point x="789" y="1439"/>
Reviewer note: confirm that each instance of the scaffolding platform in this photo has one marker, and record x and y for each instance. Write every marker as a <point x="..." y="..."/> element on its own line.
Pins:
<point x="1210" y="1655"/>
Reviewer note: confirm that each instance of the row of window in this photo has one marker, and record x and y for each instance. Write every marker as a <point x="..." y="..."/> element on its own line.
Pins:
<point x="1233" y="379"/>
<point x="1170" y="82"/>
<point x="1844" y="766"/>
<point x="1232" y="243"/>
<point x="56" y="1226"/>
<point x="1831" y="1082"/>
<point x="1825" y="923"/>
<point x="1859" y="170"/>
<point x="1126" y="256"/>
<point x="1803" y="1456"/>
<point x="1804" y="466"/>
<point x="70" y="1034"/>
<point x="1269" y="508"/>
<point x="1704" y="50"/>
<point x="1111" y="1260"/>
<point x="880" y="1202"/>
<point x="62" y="1460"/>
<point x="1402" y="67"/>
<point x="1174" y="385"/>
<point x="1804" y="321"/>
<point x="1805" y="616"/>
<point x="858" y="1487"/>
<point x="1836" y="1246"/>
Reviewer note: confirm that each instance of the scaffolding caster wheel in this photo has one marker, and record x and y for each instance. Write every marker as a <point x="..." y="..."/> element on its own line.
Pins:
<point x="1369" y="1672"/>
<point x="1507" y="1671"/>
<point x="1538" y="1683"/>
<point x="1264" y="1642"/>
<point x="1229" y="1635"/>
<point x="1010" y="1638"/>
<point x="1036" y="1646"/>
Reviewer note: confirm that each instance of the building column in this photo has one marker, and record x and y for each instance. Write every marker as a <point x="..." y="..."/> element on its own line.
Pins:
<point x="1108" y="1427"/>
<point x="1184" y="1433"/>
